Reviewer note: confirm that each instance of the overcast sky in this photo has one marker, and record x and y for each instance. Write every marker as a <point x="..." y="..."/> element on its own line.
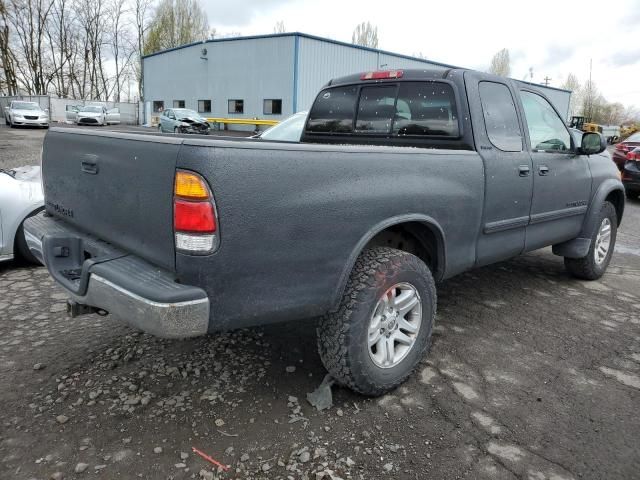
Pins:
<point x="555" y="38"/>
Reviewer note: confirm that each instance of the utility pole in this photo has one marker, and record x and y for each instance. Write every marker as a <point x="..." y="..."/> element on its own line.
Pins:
<point x="590" y="91"/>
<point x="546" y="81"/>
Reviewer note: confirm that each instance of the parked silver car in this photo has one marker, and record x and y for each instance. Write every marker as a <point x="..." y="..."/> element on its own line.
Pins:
<point x="93" y="115"/>
<point x="20" y="197"/>
<point x="183" y="120"/>
<point x="19" y="112"/>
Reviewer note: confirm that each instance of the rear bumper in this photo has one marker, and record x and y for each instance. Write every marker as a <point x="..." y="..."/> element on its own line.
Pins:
<point x="631" y="176"/>
<point x="140" y="294"/>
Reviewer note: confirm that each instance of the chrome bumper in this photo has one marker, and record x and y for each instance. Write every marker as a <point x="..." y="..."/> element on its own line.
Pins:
<point x="140" y="304"/>
<point x="169" y="320"/>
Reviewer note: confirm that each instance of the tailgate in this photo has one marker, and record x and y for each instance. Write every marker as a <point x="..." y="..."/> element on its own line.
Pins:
<point x="115" y="186"/>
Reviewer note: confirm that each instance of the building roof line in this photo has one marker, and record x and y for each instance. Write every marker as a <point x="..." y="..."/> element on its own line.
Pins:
<point x="332" y="41"/>
<point x="303" y="35"/>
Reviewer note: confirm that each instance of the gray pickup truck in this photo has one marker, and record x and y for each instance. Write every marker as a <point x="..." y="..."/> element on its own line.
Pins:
<point x="401" y="179"/>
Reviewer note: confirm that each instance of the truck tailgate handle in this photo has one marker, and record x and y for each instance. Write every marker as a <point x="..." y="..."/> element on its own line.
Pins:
<point x="524" y="170"/>
<point x="90" y="165"/>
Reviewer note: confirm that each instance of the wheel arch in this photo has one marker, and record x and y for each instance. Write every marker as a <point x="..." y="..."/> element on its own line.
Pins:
<point x="610" y="190"/>
<point x="418" y="234"/>
<point x="15" y="227"/>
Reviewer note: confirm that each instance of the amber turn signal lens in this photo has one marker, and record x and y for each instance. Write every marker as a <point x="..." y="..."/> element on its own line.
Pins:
<point x="191" y="186"/>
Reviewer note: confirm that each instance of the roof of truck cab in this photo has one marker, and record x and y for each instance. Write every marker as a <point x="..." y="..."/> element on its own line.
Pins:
<point x="407" y="74"/>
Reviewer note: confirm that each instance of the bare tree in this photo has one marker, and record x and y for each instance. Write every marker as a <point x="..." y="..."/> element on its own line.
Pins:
<point x="571" y="83"/>
<point x="590" y="100"/>
<point x="142" y="10"/>
<point x="500" y="63"/>
<point x="7" y="58"/>
<point x="121" y="44"/>
<point x="175" y="23"/>
<point x="279" y="27"/>
<point x="366" y="35"/>
<point x="28" y="18"/>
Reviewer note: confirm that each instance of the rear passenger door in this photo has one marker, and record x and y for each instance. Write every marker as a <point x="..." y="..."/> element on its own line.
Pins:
<point x="561" y="177"/>
<point x="498" y="134"/>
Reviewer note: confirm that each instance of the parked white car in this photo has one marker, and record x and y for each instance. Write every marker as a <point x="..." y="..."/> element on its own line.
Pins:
<point x="97" y="115"/>
<point x="20" y="197"/>
<point x="289" y="130"/>
<point x="19" y="112"/>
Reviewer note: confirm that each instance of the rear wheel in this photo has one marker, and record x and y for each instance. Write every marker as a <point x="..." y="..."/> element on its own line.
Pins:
<point x="383" y="326"/>
<point x="603" y="240"/>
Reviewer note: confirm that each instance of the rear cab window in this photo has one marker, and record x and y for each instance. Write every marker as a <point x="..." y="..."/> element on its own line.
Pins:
<point x="404" y="109"/>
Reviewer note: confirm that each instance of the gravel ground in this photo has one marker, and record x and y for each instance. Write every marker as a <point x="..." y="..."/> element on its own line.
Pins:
<point x="532" y="375"/>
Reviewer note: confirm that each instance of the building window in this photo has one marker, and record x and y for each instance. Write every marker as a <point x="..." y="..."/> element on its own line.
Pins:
<point x="158" y="106"/>
<point x="178" y="104"/>
<point x="204" y="106"/>
<point x="236" y="106"/>
<point x="272" y="107"/>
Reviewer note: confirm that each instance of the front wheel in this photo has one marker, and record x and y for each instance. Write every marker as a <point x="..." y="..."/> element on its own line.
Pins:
<point x="603" y="241"/>
<point x="383" y="325"/>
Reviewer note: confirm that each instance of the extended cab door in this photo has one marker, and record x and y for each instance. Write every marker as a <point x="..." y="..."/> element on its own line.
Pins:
<point x="561" y="177"/>
<point x="508" y="181"/>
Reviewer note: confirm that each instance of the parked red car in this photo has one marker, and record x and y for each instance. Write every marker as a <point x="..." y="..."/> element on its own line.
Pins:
<point x="631" y="174"/>
<point x="623" y="148"/>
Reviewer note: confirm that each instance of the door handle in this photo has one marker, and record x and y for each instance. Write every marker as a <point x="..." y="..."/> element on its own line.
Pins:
<point x="524" y="170"/>
<point x="543" y="170"/>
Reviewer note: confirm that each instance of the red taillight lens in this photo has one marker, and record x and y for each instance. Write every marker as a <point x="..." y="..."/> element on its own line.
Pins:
<point x="195" y="217"/>
<point x="382" y="74"/>
<point x="633" y="155"/>
<point x="622" y="147"/>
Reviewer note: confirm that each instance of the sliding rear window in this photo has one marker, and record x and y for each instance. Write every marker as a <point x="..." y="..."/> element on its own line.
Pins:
<point x="333" y="111"/>
<point x="424" y="109"/>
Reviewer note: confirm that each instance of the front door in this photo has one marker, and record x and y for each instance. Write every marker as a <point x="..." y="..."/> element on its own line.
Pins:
<point x="508" y="182"/>
<point x="561" y="178"/>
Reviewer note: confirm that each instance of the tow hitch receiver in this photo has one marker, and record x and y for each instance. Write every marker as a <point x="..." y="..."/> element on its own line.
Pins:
<point x="75" y="309"/>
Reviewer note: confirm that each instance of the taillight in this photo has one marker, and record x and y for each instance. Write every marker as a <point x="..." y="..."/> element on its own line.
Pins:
<point x="382" y="74"/>
<point x="194" y="217"/>
<point x="633" y="155"/>
<point x="622" y="147"/>
<point x="194" y="214"/>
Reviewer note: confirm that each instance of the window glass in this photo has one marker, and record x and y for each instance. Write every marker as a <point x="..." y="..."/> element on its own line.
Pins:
<point x="546" y="130"/>
<point x="376" y="109"/>
<point x="236" y="106"/>
<point x="500" y="116"/>
<point x="178" y="104"/>
<point x="272" y="107"/>
<point x="427" y="109"/>
<point x="158" y="106"/>
<point x="333" y="110"/>
<point x="204" y="106"/>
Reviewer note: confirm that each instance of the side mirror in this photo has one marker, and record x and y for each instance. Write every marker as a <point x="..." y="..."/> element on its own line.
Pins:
<point x="592" y="143"/>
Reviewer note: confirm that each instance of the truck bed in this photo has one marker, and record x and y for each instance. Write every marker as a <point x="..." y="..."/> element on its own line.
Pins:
<point x="292" y="217"/>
